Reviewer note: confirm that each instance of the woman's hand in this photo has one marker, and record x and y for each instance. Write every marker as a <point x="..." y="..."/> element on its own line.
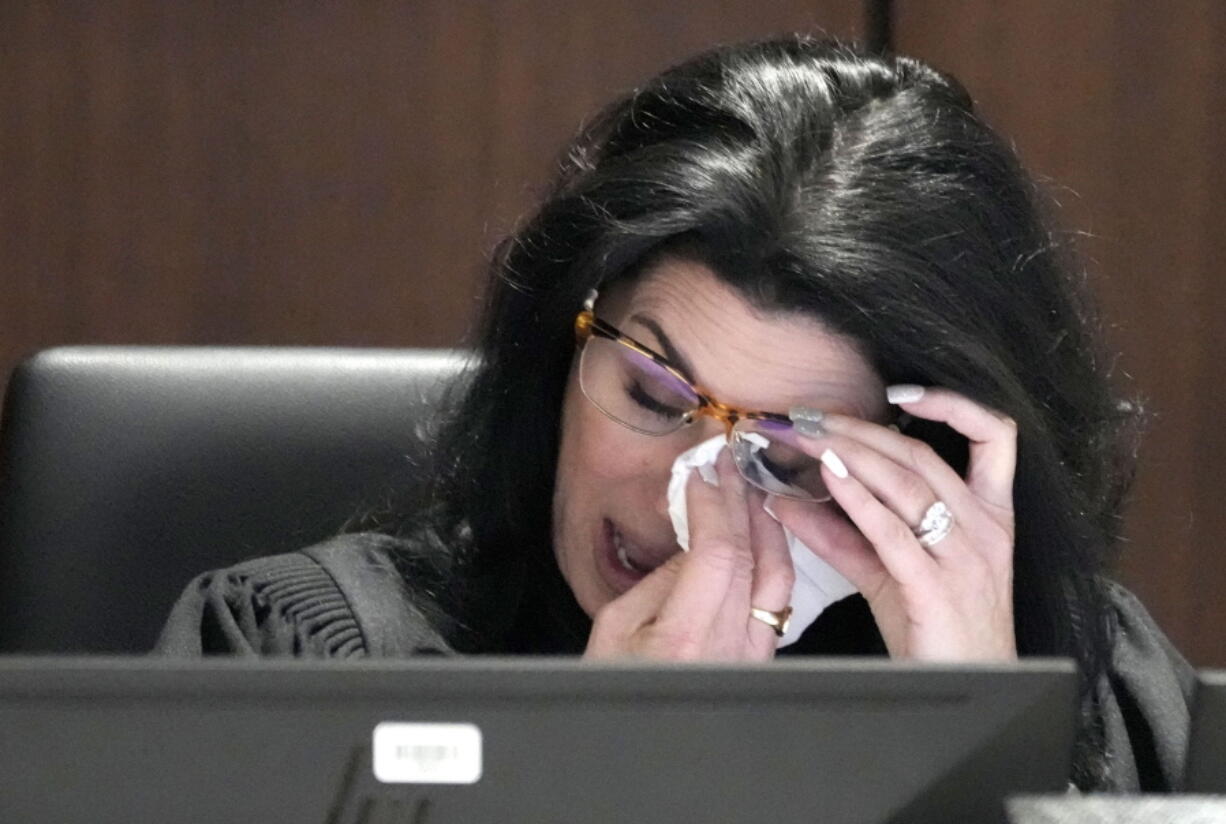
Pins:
<point x="696" y="607"/>
<point x="952" y="601"/>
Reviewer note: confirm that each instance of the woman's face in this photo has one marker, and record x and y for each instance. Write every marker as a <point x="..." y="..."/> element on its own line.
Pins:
<point x="612" y="481"/>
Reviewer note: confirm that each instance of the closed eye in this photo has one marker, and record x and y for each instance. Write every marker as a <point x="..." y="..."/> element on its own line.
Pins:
<point x="784" y="474"/>
<point x="644" y="399"/>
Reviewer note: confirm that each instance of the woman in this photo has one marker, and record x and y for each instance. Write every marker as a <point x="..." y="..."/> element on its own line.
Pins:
<point x="786" y="237"/>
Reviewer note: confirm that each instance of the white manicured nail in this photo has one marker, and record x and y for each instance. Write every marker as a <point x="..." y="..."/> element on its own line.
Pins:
<point x="834" y="463"/>
<point x="904" y="393"/>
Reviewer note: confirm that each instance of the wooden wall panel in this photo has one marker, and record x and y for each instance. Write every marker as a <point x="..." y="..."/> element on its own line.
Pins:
<point x="311" y="173"/>
<point x="253" y="172"/>
<point x="1121" y="104"/>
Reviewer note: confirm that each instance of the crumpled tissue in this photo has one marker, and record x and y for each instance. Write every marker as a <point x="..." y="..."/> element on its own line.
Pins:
<point x="817" y="585"/>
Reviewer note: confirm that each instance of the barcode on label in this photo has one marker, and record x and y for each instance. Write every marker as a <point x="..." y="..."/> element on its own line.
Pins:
<point x="426" y="753"/>
<point x="427" y="756"/>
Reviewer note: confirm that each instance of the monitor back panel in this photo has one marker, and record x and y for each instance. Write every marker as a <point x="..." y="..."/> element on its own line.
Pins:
<point x="1206" y="772"/>
<point x="122" y="741"/>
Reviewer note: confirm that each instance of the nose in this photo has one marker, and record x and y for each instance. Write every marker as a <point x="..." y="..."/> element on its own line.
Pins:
<point x="699" y="431"/>
<point x="705" y="427"/>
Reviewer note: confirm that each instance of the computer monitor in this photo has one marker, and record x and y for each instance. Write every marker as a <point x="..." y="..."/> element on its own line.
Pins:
<point x="1206" y="771"/>
<point x="435" y="741"/>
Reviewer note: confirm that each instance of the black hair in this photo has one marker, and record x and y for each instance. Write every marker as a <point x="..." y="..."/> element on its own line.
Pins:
<point x="864" y="190"/>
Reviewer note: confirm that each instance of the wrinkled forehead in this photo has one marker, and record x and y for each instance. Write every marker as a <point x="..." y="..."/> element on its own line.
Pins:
<point x="742" y="355"/>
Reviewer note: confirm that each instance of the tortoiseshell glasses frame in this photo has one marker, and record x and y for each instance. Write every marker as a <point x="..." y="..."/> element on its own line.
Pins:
<point x="588" y="325"/>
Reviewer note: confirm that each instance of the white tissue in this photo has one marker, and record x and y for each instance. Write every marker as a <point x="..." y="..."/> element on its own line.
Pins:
<point x="817" y="586"/>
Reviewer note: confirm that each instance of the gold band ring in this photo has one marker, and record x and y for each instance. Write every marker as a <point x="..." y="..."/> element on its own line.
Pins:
<point x="778" y="621"/>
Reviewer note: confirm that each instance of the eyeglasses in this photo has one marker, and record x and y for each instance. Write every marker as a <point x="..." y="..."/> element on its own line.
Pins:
<point x="641" y="390"/>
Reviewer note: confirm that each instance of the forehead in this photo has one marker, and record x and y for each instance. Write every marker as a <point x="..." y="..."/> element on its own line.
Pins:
<point x="739" y="354"/>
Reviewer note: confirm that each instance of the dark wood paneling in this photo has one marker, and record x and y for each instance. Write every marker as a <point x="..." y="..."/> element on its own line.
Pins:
<point x="1121" y="104"/>
<point x="322" y="173"/>
<point x="315" y="173"/>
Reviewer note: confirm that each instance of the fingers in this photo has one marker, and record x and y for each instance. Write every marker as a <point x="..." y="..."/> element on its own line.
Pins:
<point x="908" y="490"/>
<point x="774" y="575"/>
<point x="992" y="436"/>
<point x="990" y="472"/>
<point x="895" y="544"/>
<point x="719" y="570"/>
<point x="698" y="605"/>
<point x="908" y="472"/>
<point x="633" y="610"/>
<point x="833" y="538"/>
<point x="949" y="599"/>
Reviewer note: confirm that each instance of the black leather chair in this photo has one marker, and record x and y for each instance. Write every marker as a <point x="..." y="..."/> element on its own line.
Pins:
<point x="125" y="471"/>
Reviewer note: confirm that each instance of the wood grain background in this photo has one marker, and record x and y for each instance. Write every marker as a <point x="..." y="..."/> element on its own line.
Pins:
<point x="1121" y="104"/>
<point x="315" y="173"/>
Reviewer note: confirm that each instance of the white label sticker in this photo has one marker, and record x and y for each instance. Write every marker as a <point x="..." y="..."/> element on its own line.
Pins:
<point x="409" y="753"/>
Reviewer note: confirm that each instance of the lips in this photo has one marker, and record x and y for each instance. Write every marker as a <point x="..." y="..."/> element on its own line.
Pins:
<point x="634" y="556"/>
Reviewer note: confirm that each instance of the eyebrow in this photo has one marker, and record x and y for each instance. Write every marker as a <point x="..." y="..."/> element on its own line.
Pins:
<point x="679" y="360"/>
<point x="674" y="357"/>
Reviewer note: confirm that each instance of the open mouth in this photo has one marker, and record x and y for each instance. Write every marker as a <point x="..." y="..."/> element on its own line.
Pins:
<point x="630" y="561"/>
<point x="624" y="549"/>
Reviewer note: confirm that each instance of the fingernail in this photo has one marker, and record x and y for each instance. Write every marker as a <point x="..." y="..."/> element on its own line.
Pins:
<point x="708" y="473"/>
<point x="904" y="393"/>
<point x="766" y="506"/>
<point x="807" y="421"/>
<point x="834" y="463"/>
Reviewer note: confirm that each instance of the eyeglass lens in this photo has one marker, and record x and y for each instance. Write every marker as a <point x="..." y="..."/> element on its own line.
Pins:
<point x="633" y="389"/>
<point x="766" y="453"/>
<point x="640" y="394"/>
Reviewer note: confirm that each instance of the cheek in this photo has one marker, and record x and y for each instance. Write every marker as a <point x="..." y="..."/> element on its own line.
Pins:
<point x="601" y="451"/>
<point x="601" y="462"/>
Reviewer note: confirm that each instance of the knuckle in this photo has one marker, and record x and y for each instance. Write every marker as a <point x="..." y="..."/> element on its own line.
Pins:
<point x="743" y="566"/>
<point x="784" y="575"/>
<point x="776" y="564"/>
<point x="609" y="614"/>
<point x="727" y="554"/>
<point x="738" y="536"/>
<point x="914" y="488"/>
<point x="921" y="454"/>
<point x="742" y="570"/>
<point x="677" y="643"/>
